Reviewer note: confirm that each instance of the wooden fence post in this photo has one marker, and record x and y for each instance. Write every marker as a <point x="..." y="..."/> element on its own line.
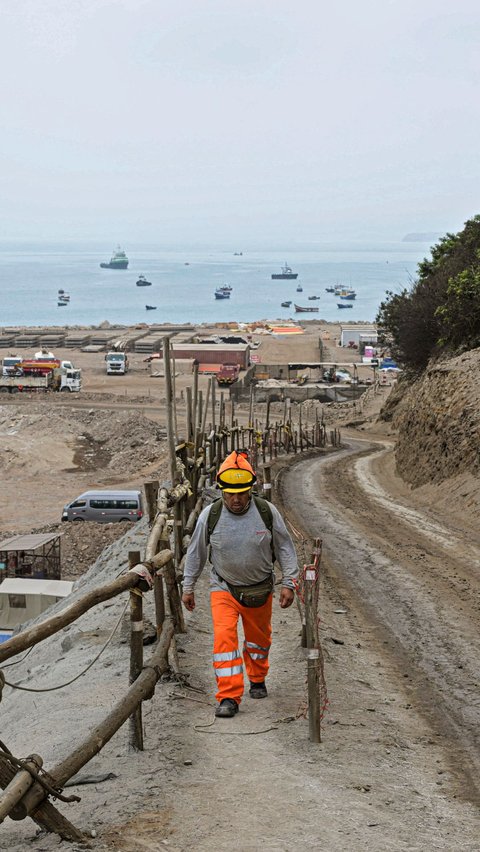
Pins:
<point x="151" y="495"/>
<point x="267" y="482"/>
<point x="311" y="579"/>
<point x="136" y="654"/>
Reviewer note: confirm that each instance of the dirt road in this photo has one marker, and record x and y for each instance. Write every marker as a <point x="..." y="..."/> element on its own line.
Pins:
<point x="412" y="575"/>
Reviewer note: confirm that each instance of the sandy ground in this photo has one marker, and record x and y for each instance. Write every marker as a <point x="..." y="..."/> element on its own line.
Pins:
<point x="398" y="765"/>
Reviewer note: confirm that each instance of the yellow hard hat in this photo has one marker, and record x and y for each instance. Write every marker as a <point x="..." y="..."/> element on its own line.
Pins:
<point x="236" y="473"/>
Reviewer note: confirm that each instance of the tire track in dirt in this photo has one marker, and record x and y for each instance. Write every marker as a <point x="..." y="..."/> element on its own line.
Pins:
<point x="411" y="576"/>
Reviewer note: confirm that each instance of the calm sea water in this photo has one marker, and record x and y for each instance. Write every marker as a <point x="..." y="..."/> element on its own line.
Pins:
<point x="184" y="281"/>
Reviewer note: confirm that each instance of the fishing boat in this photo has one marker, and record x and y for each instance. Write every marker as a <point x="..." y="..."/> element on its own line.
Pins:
<point x="348" y="294"/>
<point x="142" y="282"/>
<point x="286" y="273"/>
<point x="119" y="260"/>
<point x="223" y="292"/>
<point x="150" y="307"/>
<point x="299" y="288"/>
<point x="330" y="289"/>
<point x="300" y="310"/>
<point x="62" y="304"/>
<point x="313" y="298"/>
<point x="62" y="296"/>
<point x="286" y="304"/>
<point x="344" y="305"/>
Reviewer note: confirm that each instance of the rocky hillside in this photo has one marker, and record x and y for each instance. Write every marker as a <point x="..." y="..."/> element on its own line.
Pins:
<point x="437" y="419"/>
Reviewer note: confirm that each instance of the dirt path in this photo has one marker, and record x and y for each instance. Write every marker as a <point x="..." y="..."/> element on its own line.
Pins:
<point x="398" y="764"/>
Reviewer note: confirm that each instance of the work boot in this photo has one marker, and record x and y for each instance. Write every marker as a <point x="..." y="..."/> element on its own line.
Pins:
<point x="258" y="690"/>
<point x="227" y="708"/>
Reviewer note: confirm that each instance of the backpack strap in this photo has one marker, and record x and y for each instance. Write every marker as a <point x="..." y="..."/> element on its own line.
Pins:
<point x="263" y="507"/>
<point x="266" y="515"/>
<point x="213" y="517"/>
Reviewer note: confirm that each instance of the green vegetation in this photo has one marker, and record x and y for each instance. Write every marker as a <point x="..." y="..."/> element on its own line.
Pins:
<point x="441" y="312"/>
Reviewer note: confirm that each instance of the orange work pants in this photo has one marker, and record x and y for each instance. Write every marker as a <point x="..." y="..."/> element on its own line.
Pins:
<point x="227" y="659"/>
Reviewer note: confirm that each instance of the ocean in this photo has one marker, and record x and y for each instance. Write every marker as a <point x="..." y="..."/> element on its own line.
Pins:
<point x="184" y="281"/>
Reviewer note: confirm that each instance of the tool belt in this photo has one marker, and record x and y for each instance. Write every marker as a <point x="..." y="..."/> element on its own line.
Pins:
<point x="252" y="596"/>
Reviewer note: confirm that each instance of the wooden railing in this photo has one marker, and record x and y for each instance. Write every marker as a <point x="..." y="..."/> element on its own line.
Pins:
<point x="173" y="509"/>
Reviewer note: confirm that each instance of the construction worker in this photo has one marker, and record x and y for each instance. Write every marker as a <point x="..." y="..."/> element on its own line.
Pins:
<point x="241" y="535"/>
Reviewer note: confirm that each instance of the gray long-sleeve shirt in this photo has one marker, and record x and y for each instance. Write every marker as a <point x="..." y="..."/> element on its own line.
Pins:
<point x="240" y="550"/>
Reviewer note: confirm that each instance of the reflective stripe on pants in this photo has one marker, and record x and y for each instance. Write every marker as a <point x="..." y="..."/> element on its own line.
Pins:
<point x="227" y="661"/>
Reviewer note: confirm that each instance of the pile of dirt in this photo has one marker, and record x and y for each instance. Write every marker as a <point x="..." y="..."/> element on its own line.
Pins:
<point x="116" y="440"/>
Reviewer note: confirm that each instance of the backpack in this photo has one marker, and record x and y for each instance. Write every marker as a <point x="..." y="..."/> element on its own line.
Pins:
<point x="263" y="507"/>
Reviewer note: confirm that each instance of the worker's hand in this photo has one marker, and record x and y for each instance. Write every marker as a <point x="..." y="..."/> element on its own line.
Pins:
<point x="188" y="600"/>
<point x="286" y="597"/>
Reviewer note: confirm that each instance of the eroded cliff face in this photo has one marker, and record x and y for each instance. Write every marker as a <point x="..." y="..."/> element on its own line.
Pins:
<point x="437" y="420"/>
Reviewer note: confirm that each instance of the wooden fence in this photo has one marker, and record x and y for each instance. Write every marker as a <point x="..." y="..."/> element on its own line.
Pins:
<point x="211" y="432"/>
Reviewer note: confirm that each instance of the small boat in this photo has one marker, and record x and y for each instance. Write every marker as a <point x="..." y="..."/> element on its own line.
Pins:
<point x="286" y="273"/>
<point x="150" y="307"/>
<point x="344" y="305"/>
<point x="308" y="310"/>
<point x="222" y="294"/>
<point x="286" y="304"/>
<point x="62" y="296"/>
<point x="142" y="282"/>
<point x="227" y="288"/>
<point x="313" y="298"/>
<point x="119" y="260"/>
<point x="238" y="253"/>
<point x="62" y="304"/>
<point x="299" y="289"/>
<point x="330" y="289"/>
<point x="348" y="294"/>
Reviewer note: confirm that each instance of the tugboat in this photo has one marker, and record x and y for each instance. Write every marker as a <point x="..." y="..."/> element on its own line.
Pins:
<point x="285" y="273"/>
<point x="142" y="282"/>
<point x="119" y="260"/>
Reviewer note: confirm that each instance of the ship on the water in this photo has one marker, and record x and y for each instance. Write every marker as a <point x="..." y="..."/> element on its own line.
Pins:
<point x="119" y="260"/>
<point x="286" y="273"/>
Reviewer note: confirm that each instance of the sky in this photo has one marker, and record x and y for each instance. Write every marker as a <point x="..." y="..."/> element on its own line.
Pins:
<point x="237" y="122"/>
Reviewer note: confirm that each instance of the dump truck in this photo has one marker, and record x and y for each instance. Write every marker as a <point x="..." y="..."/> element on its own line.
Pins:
<point x="117" y="363"/>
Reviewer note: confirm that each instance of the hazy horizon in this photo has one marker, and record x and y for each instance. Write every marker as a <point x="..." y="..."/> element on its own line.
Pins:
<point x="256" y="123"/>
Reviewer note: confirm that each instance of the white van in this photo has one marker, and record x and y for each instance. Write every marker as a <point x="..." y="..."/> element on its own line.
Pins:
<point x="104" y="507"/>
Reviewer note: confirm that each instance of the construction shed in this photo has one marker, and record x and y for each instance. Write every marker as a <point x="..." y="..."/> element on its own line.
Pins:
<point x="35" y="555"/>
<point x="214" y="353"/>
<point x="356" y="332"/>
<point x="22" y="599"/>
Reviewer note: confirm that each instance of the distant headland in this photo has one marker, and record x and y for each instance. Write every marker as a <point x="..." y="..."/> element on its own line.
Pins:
<point x="427" y="237"/>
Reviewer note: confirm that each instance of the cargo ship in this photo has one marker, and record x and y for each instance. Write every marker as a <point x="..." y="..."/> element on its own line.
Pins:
<point x="119" y="260"/>
<point x="286" y="273"/>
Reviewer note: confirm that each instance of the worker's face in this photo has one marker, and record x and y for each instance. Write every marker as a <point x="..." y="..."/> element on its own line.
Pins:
<point x="236" y="502"/>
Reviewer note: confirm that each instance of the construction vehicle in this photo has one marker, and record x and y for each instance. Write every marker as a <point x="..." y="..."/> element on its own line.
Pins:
<point x="30" y="375"/>
<point x="227" y="374"/>
<point x="117" y="363"/>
